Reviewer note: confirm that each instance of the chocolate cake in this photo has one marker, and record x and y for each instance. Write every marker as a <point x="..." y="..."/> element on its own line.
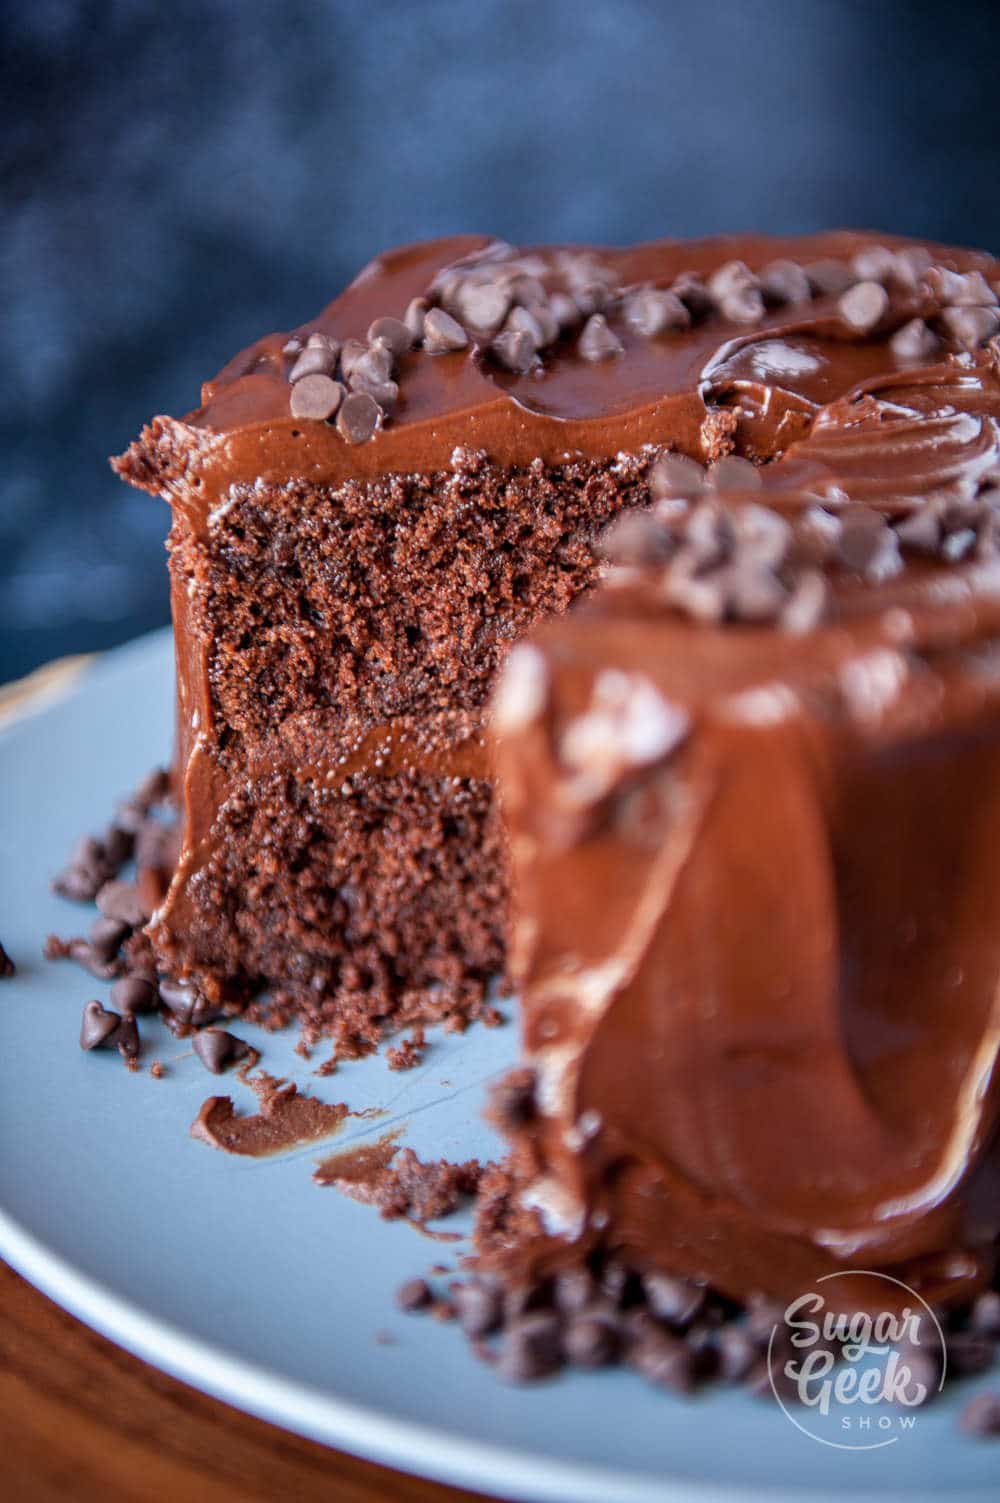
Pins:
<point x="753" y="790"/>
<point x="369" y="511"/>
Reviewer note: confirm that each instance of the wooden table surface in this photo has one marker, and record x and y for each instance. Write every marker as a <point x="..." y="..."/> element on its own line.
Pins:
<point x="82" y="1421"/>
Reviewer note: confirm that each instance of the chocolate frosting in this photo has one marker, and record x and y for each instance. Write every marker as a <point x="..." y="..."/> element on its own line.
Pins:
<point x="761" y="975"/>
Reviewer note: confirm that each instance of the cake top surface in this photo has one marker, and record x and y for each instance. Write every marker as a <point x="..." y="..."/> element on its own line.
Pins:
<point x="552" y="352"/>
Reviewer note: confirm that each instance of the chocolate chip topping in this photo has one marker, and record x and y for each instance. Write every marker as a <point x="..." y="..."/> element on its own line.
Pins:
<point x="650" y="311"/>
<point x="863" y="305"/>
<point x="597" y="341"/>
<point x="785" y="282"/>
<point x="359" y="417"/>
<point x="442" y="334"/>
<point x="188" y="1007"/>
<point x="515" y="350"/>
<point x="316" y="396"/>
<point x="315" y="360"/>
<point x="395" y="333"/>
<point x="969" y="326"/>
<point x="414" y="1294"/>
<point x="914" y="341"/>
<point x="218" y="1049"/>
<point x="135" y="994"/>
<point x="97" y="1025"/>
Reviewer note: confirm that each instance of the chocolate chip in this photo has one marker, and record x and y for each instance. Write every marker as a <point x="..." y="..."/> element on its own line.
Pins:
<point x="187" y="1005"/>
<point x="924" y="1368"/>
<point x="413" y="318"/>
<point x="829" y="278"/>
<point x="985" y="1315"/>
<point x="737" y="293"/>
<point x="414" y="1294"/>
<point x="963" y="290"/>
<point x="480" y="1308"/>
<point x="785" y="282"/>
<point x="730" y="473"/>
<point x="615" y="1280"/>
<point x="664" y="1360"/>
<point x="442" y="333"/>
<point x="512" y="1099"/>
<point x="482" y="305"/>
<point x="126" y="1038"/>
<point x="121" y="901"/>
<point x="981" y="1415"/>
<point x="693" y="293"/>
<point x="85" y="873"/>
<point x="597" y="341"/>
<point x="351" y="352"/>
<point x="135" y="994"/>
<point x="970" y="1353"/>
<point x="862" y="305"/>
<point x="969" y="327"/>
<point x="591" y="1341"/>
<point x="97" y="1026"/>
<point x="651" y="311"/>
<point x="92" y="960"/>
<point x="531" y="1349"/>
<point x="564" y="310"/>
<point x="636" y="540"/>
<point x="575" y="1288"/>
<point x="675" y="475"/>
<point x="7" y="966"/>
<point x="314" y="361"/>
<point x="292" y="346"/>
<point x="868" y="545"/>
<point x="371" y="368"/>
<point x="218" y="1049"/>
<point x="914" y="341"/>
<point x="316" y="397"/>
<point x="359" y="418"/>
<point x="393" y="332"/>
<point x="107" y="936"/>
<point x="672" y="1299"/>
<point x="806" y="605"/>
<point x="736" y="1353"/>
<point x="876" y="264"/>
<point x="515" y="350"/>
<point x="523" y="321"/>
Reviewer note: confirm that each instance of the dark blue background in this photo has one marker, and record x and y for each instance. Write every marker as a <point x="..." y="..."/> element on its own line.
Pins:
<point x="179" y="178"/>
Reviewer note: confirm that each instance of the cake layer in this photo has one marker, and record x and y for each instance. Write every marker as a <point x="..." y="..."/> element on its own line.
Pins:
<point x="758" y="926"/>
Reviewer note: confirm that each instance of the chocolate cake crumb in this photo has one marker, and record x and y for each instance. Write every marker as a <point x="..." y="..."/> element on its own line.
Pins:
<point x="415" y="1294"/>
<point x="399" y="1183"/>
<point x="157" y="1069"/>
<point x="409" y="1052"/>
<point x="7" y="966"/>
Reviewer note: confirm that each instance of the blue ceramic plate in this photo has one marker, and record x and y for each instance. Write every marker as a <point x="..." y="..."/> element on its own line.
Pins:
<point x="247" y="1280"/>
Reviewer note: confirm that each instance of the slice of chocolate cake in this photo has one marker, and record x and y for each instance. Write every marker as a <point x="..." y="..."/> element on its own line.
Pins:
<point x="369" y="511"/>
<point x="753" y="787"/>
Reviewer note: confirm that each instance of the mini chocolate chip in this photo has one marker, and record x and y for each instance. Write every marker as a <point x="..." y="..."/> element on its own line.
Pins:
<point x="187" y="1004"/>
<point x="597" y="341"/>
<point x="480" y="1308"/>
<point x="564" y="310"/>
<point x="693" y="293"/>
<point x="515" y="350"/>
<point x="85" y="955"/>
<point x="512" y="1099"/>
<point x="730" y="473"/>
<point x="531" y="1349"/>
<point x="351" y="351"/>
<point x="359" y="418"/>
<point x="637" y="540"/>
<point x="85" y="873"/>
<point x="375" y="365"/>
<point x="119" y="846"/>
<point x="393" y="332"/>
<point x="675" y="475"/>
<point x="672" y="1299"/>
<point x="121" y="901"/>
<point x="962" y="289"/>
<point x="126" y="1037"/>
<point x="315" y="360"/>
<point x="652" y="310"/>
<point x="732" y="276"/>
<point x="736" y="292"/>
<point x="575" y="1288"/>
<point x="413" y="318"/>
<point x="316" y="397"/>
<point x="914" y="341"/>
<point x="862" y="305"/>
<point x="483" y="305"/>
<point x="218" y="1049"/>
<point x="442" y="333"/>
<point x="868" y="545"/>
<point x="876" y="264"/>
<point x="7" y="966"/>
<point x="985" y="1316"/>
<point x="924" y="1367"/>
<point x="970" y="1353"/>
<point x="523" y="321"/>
<point x="135" y="994"/>
<point x="969" y="327"/>
<point x="591" y="1341"/>
<point x="981" y="1415"/>
<point x="615" y="1280"/>
<point x="785" y="282"/>
<point x="545" y="321"/>
<point x="107" y="936"/>
<point x="736" y="1353"/>
<point x="664" y="1360"/>
<point x="806" y="605"/>
<point x="414" y="1294"/>
<point x="97" y="1026"/>
<point x="829" y="278"/>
